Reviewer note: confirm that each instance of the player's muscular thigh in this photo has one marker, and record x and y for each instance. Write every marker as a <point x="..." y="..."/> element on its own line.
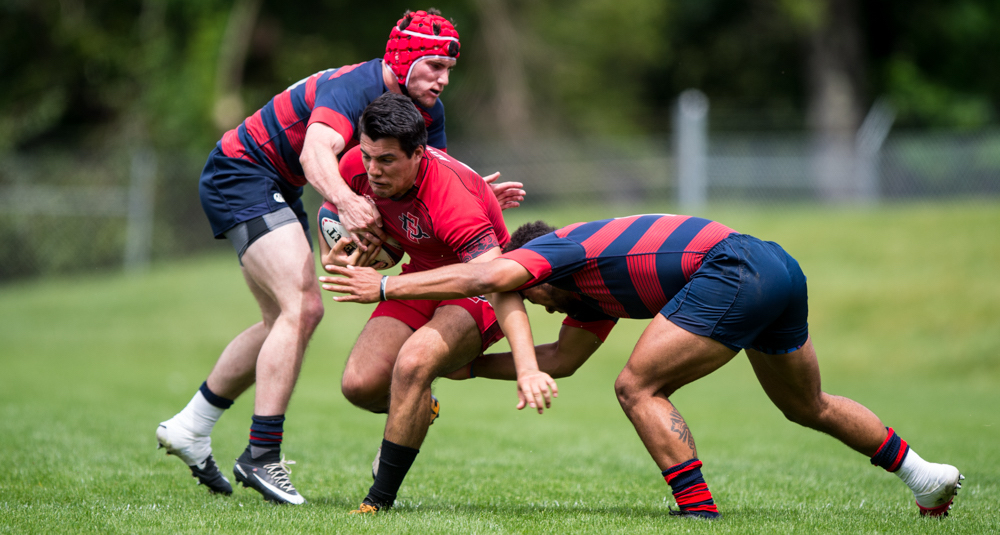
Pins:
<point x="450" y="340"/>
<point x="368" y="372"/>
<point x="668" y="357"/>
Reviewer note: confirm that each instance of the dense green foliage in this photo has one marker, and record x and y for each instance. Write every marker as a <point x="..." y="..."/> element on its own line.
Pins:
<point x="93" y="72"/>
<point x="904" y="305"/>
<point x="89" y="83"/>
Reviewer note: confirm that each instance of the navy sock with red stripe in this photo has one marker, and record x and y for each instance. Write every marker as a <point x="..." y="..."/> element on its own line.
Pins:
<point x="266" y="432"/>
<point x="690" y="489"/>
<point x="891" y="453"/>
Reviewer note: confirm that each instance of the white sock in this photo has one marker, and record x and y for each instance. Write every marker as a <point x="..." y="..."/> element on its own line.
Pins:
<point x="924" y="478"/>
<point x="200" y="416"/>
<point x="913" y="470"/>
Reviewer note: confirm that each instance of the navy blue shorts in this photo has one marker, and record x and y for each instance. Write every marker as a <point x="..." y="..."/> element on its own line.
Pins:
<point x="747" y="293"/>
<point x="234" y="191"/>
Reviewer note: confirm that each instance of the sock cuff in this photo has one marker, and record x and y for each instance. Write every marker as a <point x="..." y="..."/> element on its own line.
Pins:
<point x="891" y="453"/>
<point x="677" y="470"/>
<point x="214" y="398"/>
<point x="268" y="424"/>
<point x="267" y="431"/>
<point x="393" y="448"/>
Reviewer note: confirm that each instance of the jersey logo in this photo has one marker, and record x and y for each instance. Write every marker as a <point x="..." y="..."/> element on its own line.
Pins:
<point x="412" y="227"/>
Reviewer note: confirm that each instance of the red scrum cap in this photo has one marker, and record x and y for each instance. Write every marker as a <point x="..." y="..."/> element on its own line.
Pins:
<point x="419" y="35"/>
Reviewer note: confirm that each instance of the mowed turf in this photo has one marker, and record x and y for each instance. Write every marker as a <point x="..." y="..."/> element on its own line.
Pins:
<point x="905" y="314"/>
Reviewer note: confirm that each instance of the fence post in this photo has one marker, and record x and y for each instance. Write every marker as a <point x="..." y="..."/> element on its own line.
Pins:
<point x="868" y="146"/>
<point x="139" y="232"/>
<point x="691" y="150"/>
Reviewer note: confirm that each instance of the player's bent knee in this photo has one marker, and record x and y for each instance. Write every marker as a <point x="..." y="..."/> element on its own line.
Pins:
<point x="810" y="415"/>
<point x="413" y="369"/>
<point x="305" y="313"/>
<point x="368" y="393"/>
<point x="313" y="312"/>
<point x="626" y="391"/>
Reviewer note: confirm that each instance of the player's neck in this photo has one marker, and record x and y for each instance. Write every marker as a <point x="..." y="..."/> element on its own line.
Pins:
<point x="389" y="79"/>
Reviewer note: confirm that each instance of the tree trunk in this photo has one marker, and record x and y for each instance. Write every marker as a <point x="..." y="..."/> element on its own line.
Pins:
<point x="834" y="70"/>
<point x="511" y="98"/>
<point x="228" y="110"/>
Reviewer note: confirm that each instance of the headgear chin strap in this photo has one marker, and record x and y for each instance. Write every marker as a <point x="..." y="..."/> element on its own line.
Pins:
<point x="419" y="35"/>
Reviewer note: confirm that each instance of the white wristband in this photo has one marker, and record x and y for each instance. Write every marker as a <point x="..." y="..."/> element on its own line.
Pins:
<point x="381" y="289"/>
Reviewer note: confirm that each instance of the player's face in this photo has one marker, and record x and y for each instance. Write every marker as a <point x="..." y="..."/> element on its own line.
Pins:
<point x="428" y="79"/>
<point x="391" y="172"/>
<point x="555" y="300"/>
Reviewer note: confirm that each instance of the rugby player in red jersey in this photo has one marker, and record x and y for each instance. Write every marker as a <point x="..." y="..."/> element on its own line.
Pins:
<point x="441" y="212"/>
<point x="710" y="292"/>
<point x="250" y="189"/>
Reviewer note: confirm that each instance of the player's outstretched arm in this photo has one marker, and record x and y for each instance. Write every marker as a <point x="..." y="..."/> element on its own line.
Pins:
<point x="535" y="388"/>
<point x="319" y="162"/>
<point x="508" y="194"/>
<point x="559" y="359"/>
<point x="363" y="285"/>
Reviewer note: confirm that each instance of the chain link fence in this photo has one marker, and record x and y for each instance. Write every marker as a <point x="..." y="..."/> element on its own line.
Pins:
<point x="73" y="211"/>
<point x="84" y="211"/>
<point x="754" y="167"/>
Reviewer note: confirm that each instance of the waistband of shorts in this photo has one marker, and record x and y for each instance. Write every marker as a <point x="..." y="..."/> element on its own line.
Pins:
<point x="736" y="236"/>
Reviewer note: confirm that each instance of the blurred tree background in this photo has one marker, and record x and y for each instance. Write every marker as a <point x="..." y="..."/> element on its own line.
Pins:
<point x="94" y="77"/>
<point x="180" y="72"/>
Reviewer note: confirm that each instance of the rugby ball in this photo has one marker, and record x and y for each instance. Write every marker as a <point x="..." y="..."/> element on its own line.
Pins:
<point x="333" y="230"/>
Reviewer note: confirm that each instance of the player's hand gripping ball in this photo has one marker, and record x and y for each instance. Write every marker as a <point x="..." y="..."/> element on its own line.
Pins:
<point x="333" y="230"/>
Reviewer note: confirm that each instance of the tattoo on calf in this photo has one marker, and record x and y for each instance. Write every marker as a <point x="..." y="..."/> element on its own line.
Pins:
<point x="679" y="426"/>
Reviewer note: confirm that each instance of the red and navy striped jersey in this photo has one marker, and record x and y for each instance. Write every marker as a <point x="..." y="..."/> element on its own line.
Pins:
<point x="628" y="267"/>
<point x="273" y="136"/>
<point x="450" y="215"/>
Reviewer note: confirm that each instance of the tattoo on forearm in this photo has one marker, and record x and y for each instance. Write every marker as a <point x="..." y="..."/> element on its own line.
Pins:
<point x="679" y="426"/>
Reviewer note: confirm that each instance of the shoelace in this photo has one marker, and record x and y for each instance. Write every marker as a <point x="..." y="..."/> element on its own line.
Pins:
<point x="279" y="473"/>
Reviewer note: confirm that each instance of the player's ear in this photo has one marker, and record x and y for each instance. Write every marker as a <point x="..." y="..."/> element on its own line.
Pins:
<point x="418" y="152"/>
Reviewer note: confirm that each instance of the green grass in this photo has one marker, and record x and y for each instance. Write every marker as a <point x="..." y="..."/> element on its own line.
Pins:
<point x="905" y="315"/>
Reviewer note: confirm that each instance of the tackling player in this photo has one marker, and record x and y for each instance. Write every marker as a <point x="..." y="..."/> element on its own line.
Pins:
<point x="710" y="292"/>
<point x="250" y="190"/>
<point x="441" y="213"/>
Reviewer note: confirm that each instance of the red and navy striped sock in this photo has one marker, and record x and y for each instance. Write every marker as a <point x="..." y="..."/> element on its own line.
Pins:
<point x="266" y="431"/>
<point x="690" y="489"/>
<point x="891" y="453"/>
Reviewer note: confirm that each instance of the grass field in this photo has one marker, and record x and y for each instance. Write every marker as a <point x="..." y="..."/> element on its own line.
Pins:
<point x="905" y="313"/>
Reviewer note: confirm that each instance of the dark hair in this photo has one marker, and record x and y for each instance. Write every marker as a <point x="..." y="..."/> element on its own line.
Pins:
<point x="526" y="233"/>
<point x="394" y="116"/>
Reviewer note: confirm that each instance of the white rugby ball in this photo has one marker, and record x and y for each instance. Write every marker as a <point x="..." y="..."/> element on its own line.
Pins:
<point x="332" y="230"/>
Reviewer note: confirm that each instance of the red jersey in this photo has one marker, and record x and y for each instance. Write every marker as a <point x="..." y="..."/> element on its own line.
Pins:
<point x="450" y="215"/>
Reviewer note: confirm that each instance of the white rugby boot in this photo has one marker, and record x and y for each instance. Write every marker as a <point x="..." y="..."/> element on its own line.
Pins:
<point x="196" y="452"/>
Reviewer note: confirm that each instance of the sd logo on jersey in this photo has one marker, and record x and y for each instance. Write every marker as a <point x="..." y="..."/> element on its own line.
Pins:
<point x="412" y="227"/>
